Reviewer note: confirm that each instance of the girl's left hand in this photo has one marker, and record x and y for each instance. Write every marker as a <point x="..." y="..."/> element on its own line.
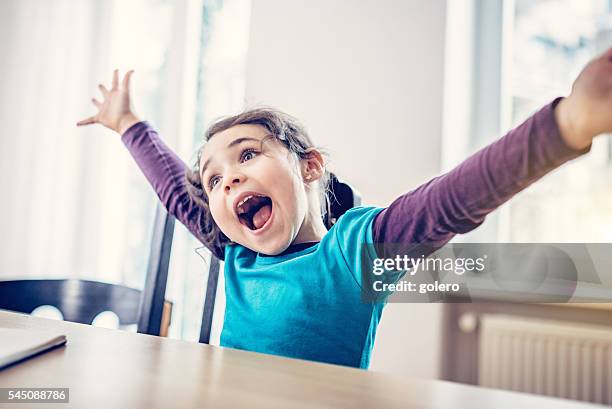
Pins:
<point x="587" y="112"/>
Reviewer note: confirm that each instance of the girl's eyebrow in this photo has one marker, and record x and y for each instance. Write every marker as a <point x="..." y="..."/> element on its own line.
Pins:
<point x="238" y="141"/>
<point x="235" y="142"/>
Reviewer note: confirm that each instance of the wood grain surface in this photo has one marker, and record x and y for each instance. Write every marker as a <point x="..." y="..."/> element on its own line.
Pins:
<point x="115" y="369"/>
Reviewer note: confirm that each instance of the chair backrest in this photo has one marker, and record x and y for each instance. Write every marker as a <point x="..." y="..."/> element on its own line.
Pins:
<point x="81" y="300"/>
<point x="342" y="197"/>
<point x="77" y="300"/>
<point x="153" y="296"/>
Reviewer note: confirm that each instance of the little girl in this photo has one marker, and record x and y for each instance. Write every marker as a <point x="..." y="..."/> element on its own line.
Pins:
<point x="256" y="198"/>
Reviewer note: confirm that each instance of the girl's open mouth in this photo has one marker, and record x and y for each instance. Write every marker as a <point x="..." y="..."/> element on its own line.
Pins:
<point x="254" y="211"/>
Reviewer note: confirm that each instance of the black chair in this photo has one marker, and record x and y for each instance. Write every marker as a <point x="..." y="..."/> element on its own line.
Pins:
<point x="342" y="197"/>
<point x="81" y="300"/>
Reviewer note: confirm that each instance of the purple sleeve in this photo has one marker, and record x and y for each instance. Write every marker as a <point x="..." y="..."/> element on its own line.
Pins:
<point x="166" y="173"/>
<point x="459" y="200"/>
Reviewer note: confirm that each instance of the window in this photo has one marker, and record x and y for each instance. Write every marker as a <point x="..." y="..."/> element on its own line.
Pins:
<point x="219" y="88"/>
<point x="551" y="41"/>
<point x="505" y="59"/>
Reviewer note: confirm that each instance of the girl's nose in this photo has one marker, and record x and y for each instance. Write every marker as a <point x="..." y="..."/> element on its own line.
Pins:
<point x="233" y="182"/>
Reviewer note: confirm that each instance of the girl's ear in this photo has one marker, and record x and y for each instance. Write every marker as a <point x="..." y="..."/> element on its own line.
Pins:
<point x="313" y="166"/>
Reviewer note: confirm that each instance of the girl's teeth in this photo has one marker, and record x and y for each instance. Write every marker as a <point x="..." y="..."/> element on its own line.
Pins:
<point x="243" y="201"/>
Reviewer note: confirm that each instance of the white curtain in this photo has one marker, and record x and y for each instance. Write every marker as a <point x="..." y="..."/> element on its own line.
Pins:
<point x="54" y="53"/>
<point x="73" y="203"/>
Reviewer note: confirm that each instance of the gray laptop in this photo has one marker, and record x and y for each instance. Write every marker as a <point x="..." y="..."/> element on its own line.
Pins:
<point x="19" y="344"/>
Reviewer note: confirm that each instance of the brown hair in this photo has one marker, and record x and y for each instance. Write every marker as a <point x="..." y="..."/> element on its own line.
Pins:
<point x="281" y="126"/>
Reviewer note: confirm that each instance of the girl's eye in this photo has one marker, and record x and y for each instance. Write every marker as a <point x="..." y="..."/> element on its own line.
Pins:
<point x="213" y="181"/>
<point x="247" y="155"/>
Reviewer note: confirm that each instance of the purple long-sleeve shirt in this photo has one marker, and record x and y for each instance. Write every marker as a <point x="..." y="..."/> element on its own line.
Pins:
<point x="433" y="213"/>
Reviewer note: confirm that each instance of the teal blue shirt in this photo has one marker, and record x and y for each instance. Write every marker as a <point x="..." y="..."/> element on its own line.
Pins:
<point x="305" y="304"/>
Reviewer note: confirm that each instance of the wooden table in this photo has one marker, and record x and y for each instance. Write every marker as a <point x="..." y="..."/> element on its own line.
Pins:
<point x="114" y="369"/>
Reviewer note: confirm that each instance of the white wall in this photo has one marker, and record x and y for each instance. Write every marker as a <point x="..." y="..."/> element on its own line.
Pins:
<point x="366" y="78"/>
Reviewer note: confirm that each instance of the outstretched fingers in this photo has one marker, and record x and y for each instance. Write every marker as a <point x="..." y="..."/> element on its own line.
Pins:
<point x="87" y="121"/>
<point x="110" y="97"/>
<point x="115" y="80"/>
<point x="126" y="80"/>
<point x="103" y="90"/>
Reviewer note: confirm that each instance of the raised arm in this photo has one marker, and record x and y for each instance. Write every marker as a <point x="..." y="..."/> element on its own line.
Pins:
<point x="459" y="201"/>
<point x="165" y="171"/>
<point x="160" y="165"/>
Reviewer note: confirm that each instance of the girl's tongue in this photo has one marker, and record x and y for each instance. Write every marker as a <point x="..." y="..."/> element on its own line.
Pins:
<point x="261" y="216"/>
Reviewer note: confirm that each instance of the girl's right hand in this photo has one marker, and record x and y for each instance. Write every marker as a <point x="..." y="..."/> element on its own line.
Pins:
<point x="115" y="111"/>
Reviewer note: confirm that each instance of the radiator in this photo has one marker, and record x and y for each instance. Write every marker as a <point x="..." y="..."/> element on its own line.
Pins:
<point x="555" y="358"/>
